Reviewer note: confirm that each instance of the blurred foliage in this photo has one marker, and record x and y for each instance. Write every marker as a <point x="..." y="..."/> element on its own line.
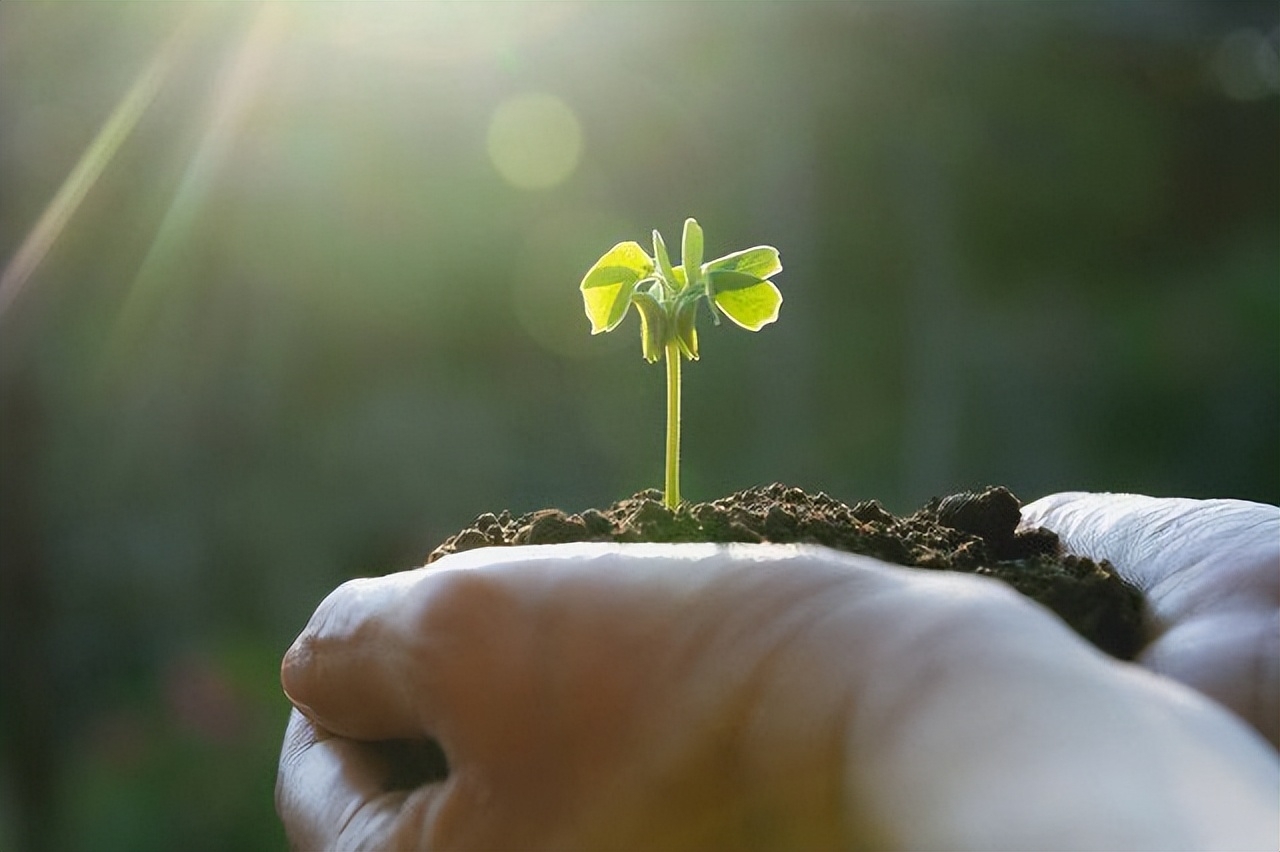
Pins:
<point x="301" y="327"/>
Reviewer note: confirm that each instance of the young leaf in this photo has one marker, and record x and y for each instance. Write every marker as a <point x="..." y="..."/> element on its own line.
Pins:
<point x="664" y="261"/>
<point x="749" y="301"/>
<point x="761" y="261"/>
<point x="691" y="251"/>
<point x="608" y="285"/>
<point x="653" y="326"/>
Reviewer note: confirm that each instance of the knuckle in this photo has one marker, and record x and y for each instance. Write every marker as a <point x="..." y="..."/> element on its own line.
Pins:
<point x="460" y="600"/>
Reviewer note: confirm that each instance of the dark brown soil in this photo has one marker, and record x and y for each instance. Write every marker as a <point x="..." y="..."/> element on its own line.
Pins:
<point x="974" y="532"/>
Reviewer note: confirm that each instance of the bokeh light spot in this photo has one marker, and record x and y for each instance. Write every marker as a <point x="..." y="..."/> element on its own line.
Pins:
<point x="534" y="141"/>
<point x="1247" y="66"/>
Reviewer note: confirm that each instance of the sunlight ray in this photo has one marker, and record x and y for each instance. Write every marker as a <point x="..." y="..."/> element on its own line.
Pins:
<point x="100" y="151"/>
<point x="231" y="100"/>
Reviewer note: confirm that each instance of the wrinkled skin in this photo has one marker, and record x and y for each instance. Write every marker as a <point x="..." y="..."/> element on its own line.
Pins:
<point x="645" y="697"/>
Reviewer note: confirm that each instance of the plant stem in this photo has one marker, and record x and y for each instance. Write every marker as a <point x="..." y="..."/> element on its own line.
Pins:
<point x="671" y="495"/>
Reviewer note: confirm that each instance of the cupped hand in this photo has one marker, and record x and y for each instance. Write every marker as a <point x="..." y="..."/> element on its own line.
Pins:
<point x="702" y="697"/>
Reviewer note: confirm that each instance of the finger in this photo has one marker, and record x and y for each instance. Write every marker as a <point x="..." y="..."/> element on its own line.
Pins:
<point x="447" y="652"/>
<point x="372" y="662"/>
<point x="353" y="615"/>
<point x="1210" y="570"/>
<point x="515" y="659"/>
<point x="334" y="793"/>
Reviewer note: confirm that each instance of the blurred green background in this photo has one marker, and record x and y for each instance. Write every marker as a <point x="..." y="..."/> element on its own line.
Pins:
<point x="290" y="294"/>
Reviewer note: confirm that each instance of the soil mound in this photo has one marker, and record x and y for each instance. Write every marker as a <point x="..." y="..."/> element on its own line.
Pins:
<point x="974" y="532"/>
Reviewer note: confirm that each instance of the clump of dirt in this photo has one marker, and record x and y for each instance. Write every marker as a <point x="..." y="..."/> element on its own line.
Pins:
<point x="973" y="532"/>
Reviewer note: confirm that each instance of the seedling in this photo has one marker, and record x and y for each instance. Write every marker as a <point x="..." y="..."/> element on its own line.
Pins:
<point x="667" y="298"/>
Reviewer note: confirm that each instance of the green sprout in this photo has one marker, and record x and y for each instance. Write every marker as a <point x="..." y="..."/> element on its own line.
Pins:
<point x="667" y="299"/>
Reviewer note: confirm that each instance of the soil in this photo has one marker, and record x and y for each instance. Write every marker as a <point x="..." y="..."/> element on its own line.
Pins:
<point x="973" y="532"/>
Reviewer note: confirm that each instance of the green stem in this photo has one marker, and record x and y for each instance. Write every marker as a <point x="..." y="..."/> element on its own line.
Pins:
<point x="671" y="496"/>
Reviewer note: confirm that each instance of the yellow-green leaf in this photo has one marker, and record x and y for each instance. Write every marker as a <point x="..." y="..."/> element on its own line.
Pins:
<point x="749" y="301"/>
<point x="609" y="284"/>
<point x="761" y="261"/>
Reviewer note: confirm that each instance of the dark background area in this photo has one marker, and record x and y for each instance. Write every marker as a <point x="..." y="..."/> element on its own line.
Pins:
<point x="299" y="311"/>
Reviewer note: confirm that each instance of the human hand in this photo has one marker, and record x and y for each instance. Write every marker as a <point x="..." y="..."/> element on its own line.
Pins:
<point x="692" y="697"/>
<point x="1210" y="572"/>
